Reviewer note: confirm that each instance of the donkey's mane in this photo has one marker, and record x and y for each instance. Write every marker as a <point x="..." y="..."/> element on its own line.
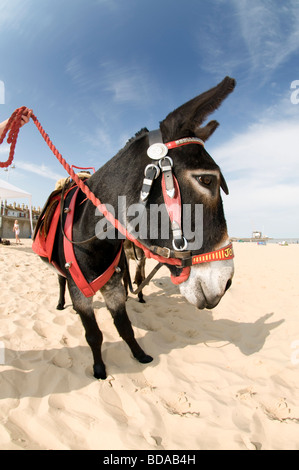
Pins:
<point x="137" y="136"/>
<point x="129" y="142"/>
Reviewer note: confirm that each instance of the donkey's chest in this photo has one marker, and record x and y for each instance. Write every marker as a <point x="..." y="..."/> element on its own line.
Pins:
<point x="44" y="241"/>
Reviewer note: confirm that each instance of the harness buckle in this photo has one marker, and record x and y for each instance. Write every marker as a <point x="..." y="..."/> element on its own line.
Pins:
<point x="180" y="248"/>
<point x="151" y="172"/>
<point x="161" y="251"/>
<point x="157" y="151"/>
<point x="155" y="167"/>
<point x="166" y="167"/>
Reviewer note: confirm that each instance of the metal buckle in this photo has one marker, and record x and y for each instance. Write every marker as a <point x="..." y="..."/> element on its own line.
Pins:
<point x="157" y="151"/>
<point x="183" y="247"/>
<point x="161" y="251"/>
<point x="151" y="165"/>
<point x="168" y="167"/>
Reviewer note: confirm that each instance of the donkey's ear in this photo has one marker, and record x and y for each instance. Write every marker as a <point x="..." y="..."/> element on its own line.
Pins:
<point x="205" y="132"/>
<point x="223" y="184"/>
<point x="189" y="116"/>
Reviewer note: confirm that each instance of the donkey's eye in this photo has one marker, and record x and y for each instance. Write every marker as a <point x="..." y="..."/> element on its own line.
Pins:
<point x="205" y="180"/>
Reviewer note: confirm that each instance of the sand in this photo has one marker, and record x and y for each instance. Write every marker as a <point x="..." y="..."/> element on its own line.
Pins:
<point x="221" y="379"/>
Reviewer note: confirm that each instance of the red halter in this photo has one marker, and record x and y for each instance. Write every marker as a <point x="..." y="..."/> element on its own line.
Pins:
<point x="176" y="257"/>
<point x="172" y="199"/>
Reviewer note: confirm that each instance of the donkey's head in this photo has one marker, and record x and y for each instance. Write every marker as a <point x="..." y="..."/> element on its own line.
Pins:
<point x="200" y="181"/>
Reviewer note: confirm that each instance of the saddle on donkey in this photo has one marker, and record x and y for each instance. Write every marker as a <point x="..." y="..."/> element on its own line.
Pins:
<point x="45" y="233"/>
<point x="46" y="227"/>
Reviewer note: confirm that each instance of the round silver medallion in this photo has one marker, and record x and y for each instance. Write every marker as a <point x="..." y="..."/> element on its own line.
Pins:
<point x="157" y="151"/>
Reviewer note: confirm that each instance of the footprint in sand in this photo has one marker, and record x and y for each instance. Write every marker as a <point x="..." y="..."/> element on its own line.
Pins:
<point x="181" y="406"/>
<point x="62" y="359"/>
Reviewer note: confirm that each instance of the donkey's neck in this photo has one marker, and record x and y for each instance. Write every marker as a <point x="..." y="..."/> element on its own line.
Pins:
<point x="122" y="176"/>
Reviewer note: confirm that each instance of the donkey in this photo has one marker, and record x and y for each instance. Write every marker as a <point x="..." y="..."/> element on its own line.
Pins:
<point x="132" y="252"/>
<point x="136" y="254"/>
<point x="188" y="177"/>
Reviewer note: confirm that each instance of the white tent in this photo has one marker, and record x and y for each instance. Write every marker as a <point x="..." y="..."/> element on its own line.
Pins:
<point x="7" y="190"/>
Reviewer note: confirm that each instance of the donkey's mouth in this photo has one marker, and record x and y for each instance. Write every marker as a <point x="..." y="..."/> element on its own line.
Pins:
<point x="207" y="304"/>
<point x="198" y="298"/>
<point x="206" y="286"/>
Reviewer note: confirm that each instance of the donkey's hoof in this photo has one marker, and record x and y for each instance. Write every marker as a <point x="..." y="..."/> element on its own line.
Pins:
<point x="145" y="359"/>
<point x="99" y="372"/>
<point x="60" y="307"/>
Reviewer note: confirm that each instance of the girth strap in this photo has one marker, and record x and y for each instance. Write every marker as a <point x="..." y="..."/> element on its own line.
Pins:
<point x="88" y="289"/>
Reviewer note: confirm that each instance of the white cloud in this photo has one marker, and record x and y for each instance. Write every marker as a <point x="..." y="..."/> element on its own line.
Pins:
<point x="128" y="84"/>
<point x="18" y="16"/>
<point x="125" y="84"/>
<point x="4" y="149"/>
<point x="253" y="38"/>
<point x="270" y="31"/>
<point x="12" y="13"/>
<point x="267" y="150"/>
<point x="79" y="73"/>
<point x="41" y="170"/>
<point x="261" y="166"/>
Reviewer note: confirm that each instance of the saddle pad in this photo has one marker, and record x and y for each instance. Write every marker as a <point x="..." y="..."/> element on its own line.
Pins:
<point x="44" y="239"/>
<point x="44" y="242"/>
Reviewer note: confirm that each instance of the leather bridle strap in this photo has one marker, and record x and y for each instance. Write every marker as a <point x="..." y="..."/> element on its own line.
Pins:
<point x="179" y="256"/>
<point x="185" y="141"/>
<point x="174" y="209"/>
<point x="158" y="151"/>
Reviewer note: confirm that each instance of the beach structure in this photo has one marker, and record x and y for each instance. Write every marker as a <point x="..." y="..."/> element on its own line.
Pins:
<point x="257" y="235"/>
<point x="8" y="212"/>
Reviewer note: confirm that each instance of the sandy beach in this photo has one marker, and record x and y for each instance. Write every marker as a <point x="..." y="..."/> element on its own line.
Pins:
<point x="221" y="379"/>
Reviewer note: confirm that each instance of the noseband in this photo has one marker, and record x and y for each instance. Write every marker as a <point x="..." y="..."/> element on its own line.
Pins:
<point x="179" y="256"/>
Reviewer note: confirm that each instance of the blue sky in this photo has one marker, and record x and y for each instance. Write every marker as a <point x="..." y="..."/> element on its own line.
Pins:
<point x="96" y="71"/>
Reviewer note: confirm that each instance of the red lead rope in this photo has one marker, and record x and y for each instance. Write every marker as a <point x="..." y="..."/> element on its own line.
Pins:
<point x="15" y="122"/>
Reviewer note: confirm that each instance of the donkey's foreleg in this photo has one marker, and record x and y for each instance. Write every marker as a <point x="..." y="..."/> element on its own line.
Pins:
<point x="61" y="301"/>
<point x="115" y="298"/>
<point x="93" y="334"/>
<point x="139" y="277"/>
<point x="94" y="338"/>
<point x="126" y="281"/>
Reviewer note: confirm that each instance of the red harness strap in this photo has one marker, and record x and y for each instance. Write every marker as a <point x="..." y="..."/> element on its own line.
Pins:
<point x="182" y="277"/>
<point x="173" y="205"/>
<point x="15" y="123"/>
<point x="222" y="254"/>
<point x="88" y="289"/>
<point x="43" y="245"/>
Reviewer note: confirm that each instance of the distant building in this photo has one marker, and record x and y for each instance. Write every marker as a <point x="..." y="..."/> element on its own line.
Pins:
<point x="17" y="210"/>
<point x="10" y="212"/>
<point x="257" y="235"/>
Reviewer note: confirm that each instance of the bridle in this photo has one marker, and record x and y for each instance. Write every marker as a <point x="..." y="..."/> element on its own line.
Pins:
<point x="178" y="256"/>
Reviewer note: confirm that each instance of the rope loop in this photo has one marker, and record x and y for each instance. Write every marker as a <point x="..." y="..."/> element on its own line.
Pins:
<point x="13" y="126"/>
<point x="15" y="122"/>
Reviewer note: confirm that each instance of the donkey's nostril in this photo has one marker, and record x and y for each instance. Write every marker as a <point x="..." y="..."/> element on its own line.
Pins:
<point x="228" y="284"/>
